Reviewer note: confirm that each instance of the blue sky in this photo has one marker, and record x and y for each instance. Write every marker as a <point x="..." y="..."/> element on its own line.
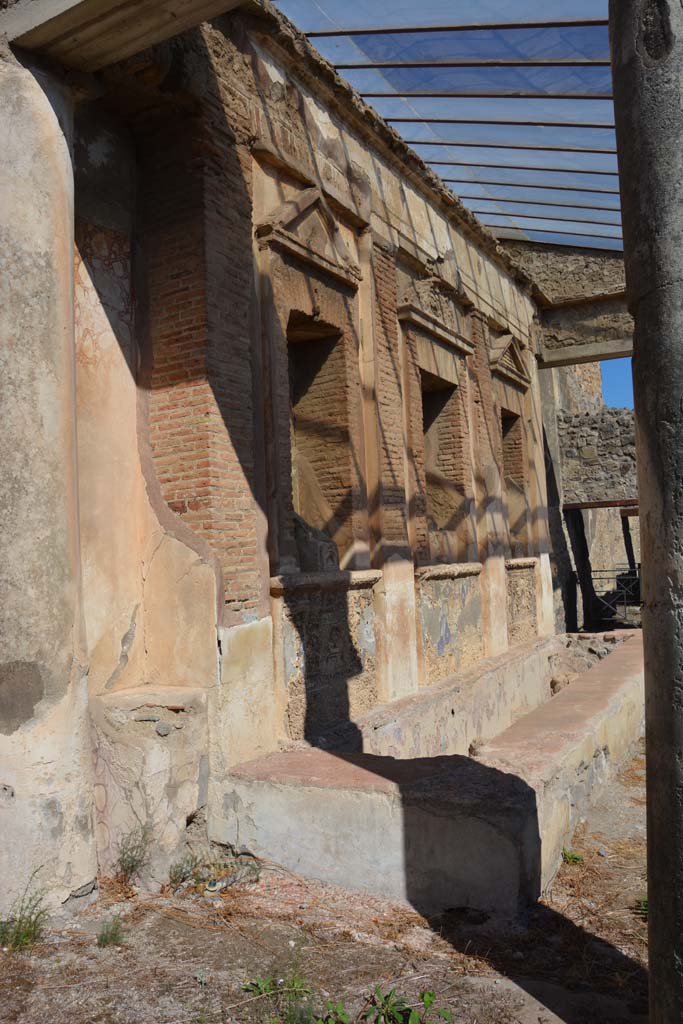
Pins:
<point x="617" y="385"/>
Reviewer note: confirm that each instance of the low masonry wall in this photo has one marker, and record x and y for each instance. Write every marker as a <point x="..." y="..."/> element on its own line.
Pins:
<point x="445" y="831"/>
<point x="458" y="714"/>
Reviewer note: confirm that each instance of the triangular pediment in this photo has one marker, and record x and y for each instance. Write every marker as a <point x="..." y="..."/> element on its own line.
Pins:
<point x="306" y="227"/>
<point x="507" y="360"/>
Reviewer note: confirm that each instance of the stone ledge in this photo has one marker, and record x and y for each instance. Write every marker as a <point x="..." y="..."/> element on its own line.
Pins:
<point x="571" y="746"/>
<point x="446" y="571"/>
<point x="361" y="579"/>
<point x="511" y="564"/>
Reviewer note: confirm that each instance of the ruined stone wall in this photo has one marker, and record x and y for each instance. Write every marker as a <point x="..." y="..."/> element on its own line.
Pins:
<point x="598" y="456"/>
<point x="578" y="388"/>
<point x="229" y="184"/>
<point x="565" y="272"/>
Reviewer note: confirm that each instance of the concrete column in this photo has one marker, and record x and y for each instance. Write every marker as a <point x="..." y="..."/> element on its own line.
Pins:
<point x="45" y="796"/>
<point x="647" y="57"/>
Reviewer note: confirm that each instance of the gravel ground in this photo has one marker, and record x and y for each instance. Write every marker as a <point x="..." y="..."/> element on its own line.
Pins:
<point x="186" y="958"/>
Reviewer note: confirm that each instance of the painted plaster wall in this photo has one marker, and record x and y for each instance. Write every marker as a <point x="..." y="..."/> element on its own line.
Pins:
<point x="521" y="601"/>
<point x="450" y="624"/>
<point x="298" y="124"/>
<point x="329" y="650"/>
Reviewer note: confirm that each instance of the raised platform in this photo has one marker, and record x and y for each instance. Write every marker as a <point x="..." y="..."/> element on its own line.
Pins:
<point x="445" y="831"/>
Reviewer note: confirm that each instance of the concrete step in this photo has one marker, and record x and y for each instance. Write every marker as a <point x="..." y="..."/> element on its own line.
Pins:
<point x="570" y="747"/>
<point x="443" y="831"/>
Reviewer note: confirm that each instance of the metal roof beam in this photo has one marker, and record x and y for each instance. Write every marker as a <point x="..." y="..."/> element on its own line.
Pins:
<point x="543" y="231"/>
<point x="509" y="145"/>
<point x="538" y="202"/>
<point x="514" y="184"/>
<point x="503" y="124"/>
<point x="459" y="94"/>
<point x="511" y="167"/>
<point x="502" y="26"/>
<point x="517" y="62"/>
<point x="552" y="217"/>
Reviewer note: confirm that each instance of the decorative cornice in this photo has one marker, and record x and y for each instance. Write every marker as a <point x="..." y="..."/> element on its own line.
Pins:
<point x="506" y="361"/>
<point x="278" y="231"/>
<point x="411" y="314"/>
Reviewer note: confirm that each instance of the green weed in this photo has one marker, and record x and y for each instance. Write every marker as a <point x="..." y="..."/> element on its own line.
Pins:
<point x="111" y="933"/>
<point x="25" y="924"/>
<point x="133" y="853"/>
<point x="183" y="870"/>
<point x="570" y="857"/>
<point x="640" y="908"/>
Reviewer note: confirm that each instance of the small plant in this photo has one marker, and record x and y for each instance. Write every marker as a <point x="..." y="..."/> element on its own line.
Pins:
<point x="428" y="999"/>
<point x="571" y="857"/>
<point x="111" y="933"/>
<point x="26" y="921"/>
<point x="133" y="853"/>
<point x="388" y="1008"/>
<point x="335" y="1013"/>
<point x="183" y="870"/>
<point x="290" y="998"/>
<point x="262" y="987"/>
<point x="295" y="1004"/>
<point x="640" y="908"/>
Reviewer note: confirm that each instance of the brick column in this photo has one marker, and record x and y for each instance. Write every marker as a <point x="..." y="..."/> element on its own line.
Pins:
<point x="397" y="665"/>
<point x="196" y="225"/>
<point x="492" y="535"/>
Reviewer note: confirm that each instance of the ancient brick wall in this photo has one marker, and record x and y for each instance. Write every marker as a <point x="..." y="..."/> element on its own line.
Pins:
<point x="488" y="433"/>
<point x="321" y="437"/>
<point x="196" y="226"/>
<point x="598" y="455"/>
<point x="389" y="386"/>
<point x="514" y="451"/>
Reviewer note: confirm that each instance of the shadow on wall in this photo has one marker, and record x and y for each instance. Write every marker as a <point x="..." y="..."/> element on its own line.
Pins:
<point x="189" y="176"/>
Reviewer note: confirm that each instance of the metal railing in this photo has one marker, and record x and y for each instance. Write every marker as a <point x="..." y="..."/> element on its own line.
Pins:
<point x="617" y="593"/>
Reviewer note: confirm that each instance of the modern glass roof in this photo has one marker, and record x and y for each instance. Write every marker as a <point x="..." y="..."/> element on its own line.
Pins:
<point x="509" y="101"/>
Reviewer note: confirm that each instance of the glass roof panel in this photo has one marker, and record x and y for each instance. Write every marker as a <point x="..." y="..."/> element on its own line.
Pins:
<point x="312" y="15"/>
<point x="563" y="81"/>
<point x="595" y="163"/>
<point x="512" y="135"/>
<point x="537" y="211"/>
<point x="564" y="43"/>
<point x="517" y="119"/>
<point x="479" y="109"/>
